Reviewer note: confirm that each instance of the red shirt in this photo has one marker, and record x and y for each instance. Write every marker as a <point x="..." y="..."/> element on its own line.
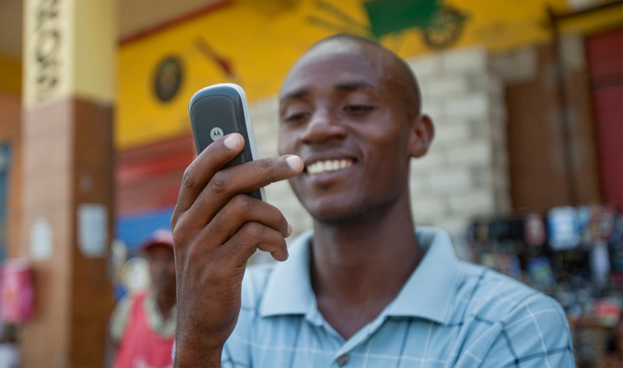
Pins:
<point x="141" y="346"/>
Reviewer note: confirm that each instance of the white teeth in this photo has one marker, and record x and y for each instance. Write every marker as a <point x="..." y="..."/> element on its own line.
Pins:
<point x="320" y="167"/>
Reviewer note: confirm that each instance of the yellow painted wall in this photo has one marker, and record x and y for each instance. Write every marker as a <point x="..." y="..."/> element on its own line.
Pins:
<point x="94" y="44"/>
<point x="263" y="44"/>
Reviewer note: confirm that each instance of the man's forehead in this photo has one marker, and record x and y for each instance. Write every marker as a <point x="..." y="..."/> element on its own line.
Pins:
<point x="343" y="46"/>
<point x="339" y="60"/>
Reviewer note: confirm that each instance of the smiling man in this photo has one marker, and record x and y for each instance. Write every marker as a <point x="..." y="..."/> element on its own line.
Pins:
<point x="363" y="289"/>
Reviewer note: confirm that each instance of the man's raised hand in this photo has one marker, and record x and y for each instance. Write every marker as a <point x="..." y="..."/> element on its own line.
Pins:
<point x="216" y="228"/>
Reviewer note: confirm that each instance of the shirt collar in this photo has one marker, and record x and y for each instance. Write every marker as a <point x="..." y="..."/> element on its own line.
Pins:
<point x="429" y="293"/>
<point x="289" y="288"/>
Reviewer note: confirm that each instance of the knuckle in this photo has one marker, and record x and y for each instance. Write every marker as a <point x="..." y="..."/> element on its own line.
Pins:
<point x="173" y="221"/>
<point x="253" y="230"/>
<point x="176" y="218"/>
<point x="220" y="182"/>
<point x="182" y="235"/>
<point x="188" y="180"/>
<point x="242" y="202"/>
<point x="179" y="236"/>
<point x="267" y="166"/>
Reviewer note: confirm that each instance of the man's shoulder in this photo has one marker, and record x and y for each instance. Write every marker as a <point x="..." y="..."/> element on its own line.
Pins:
<point x="121" y="315"/>
<point x="508" y="323"/>
<point x="490" y="296"/>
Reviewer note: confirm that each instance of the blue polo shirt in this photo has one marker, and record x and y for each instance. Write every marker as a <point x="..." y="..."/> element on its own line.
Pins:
<point x="449" y="314"/>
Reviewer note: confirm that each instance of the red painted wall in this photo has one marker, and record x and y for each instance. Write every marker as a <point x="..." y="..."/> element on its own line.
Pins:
<point x="605" y="66"/>
<point x="149" y="177"/>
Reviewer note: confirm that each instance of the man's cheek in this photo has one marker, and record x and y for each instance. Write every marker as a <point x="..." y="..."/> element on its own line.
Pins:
<point x="285" y="144"/>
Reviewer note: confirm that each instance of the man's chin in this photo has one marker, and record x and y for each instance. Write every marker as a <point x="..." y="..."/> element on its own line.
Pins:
<point x="333" y="212"/>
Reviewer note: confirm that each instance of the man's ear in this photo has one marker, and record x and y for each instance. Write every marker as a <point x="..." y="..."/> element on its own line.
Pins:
<point x="422" y="133"/>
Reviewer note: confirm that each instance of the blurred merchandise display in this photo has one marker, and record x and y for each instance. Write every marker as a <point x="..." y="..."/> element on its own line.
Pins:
<point x="17" y="293"/>
<point x="574" y="254"/>
<point x="17" y="306"/>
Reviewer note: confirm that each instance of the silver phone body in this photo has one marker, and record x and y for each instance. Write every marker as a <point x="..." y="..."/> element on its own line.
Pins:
<point x="218" y="110"/>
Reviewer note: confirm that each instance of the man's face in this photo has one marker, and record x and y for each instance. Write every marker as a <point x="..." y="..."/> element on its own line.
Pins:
<point x="343" y="113"/>
<point x="162" y="267"/>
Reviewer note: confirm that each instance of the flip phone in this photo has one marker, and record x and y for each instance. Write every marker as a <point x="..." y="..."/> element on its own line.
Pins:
<point x="218" y="110"/>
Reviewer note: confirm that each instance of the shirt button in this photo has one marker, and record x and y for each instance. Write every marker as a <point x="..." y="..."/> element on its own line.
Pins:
<point x="342" y="360"/>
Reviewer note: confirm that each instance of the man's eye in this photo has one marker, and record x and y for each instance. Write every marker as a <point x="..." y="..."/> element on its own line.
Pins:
<point x="295" y="117"/>
<point x="358" y="109"/>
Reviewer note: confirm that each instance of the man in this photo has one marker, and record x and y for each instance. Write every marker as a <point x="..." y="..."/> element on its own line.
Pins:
<point x="143" y="325"/>
<point x="363" y="289"/>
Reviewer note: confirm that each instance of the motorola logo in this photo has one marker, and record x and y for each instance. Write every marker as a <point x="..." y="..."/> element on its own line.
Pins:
<point x="216" y="133"/>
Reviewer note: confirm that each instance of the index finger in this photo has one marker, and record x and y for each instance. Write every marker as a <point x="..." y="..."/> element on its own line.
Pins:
<point x="203" y="168"/>
<point x="240" y="179"/>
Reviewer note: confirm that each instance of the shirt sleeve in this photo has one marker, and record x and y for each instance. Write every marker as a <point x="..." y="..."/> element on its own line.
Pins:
<point x="237" y="349"/>
<point x="119" y="319"/>
<point x="228" y="360"/>
<point x="535" y="334"/>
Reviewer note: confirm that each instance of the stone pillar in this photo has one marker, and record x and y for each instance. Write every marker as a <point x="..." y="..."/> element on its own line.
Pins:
<point x="67" y="215"/>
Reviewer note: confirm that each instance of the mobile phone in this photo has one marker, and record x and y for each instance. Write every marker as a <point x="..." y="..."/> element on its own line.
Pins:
<point x="218" y="110"/>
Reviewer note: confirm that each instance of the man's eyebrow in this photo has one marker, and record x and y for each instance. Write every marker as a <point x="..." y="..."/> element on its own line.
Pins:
<point x="294" y="95"/>
<point x="354" y="86"/>
<point x="347" y="86"/>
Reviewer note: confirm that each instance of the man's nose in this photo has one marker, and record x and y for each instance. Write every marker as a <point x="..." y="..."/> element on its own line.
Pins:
<point x="323" y="127"/>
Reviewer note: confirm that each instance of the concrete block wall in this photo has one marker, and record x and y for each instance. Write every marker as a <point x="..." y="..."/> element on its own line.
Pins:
<point x="464" y="175"/>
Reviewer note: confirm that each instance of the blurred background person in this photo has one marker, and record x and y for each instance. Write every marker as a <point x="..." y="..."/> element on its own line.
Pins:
<point x="143" y="323"/>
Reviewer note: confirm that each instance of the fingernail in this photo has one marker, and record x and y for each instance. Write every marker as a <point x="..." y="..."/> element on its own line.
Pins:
<point x="289" y="230"/>
<point x="295" y="162"/>
<point x="232" y="141"/>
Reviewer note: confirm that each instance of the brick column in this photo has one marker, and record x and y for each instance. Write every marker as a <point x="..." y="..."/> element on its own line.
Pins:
<point x="67" y="217"/>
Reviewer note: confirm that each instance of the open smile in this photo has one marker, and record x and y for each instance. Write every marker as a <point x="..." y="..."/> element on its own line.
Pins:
<point x="324" y="166"/>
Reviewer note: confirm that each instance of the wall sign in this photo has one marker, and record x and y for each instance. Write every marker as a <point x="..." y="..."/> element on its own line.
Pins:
<point x="168" y="78"/>
<point x="41" y="245"/>
<point x="92" y="229"/>
<point x="48" y="45"/>
<point x="47" y="41"/>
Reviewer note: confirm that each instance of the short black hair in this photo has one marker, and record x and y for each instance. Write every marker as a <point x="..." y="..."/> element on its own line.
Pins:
<point x="405" y="69"/>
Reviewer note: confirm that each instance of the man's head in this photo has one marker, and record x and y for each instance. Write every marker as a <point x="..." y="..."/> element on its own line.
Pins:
<point x="158" y="249"/>
<point x="351" y="109"/>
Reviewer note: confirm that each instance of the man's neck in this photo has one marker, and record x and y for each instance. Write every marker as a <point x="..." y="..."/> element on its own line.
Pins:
<point x="359" y="267"/>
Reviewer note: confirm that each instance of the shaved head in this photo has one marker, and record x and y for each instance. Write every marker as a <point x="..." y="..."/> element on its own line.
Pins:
<point x="394" y="71"/>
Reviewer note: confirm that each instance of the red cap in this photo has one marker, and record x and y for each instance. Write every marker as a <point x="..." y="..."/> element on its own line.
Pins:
<point x="160" y="236"/>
